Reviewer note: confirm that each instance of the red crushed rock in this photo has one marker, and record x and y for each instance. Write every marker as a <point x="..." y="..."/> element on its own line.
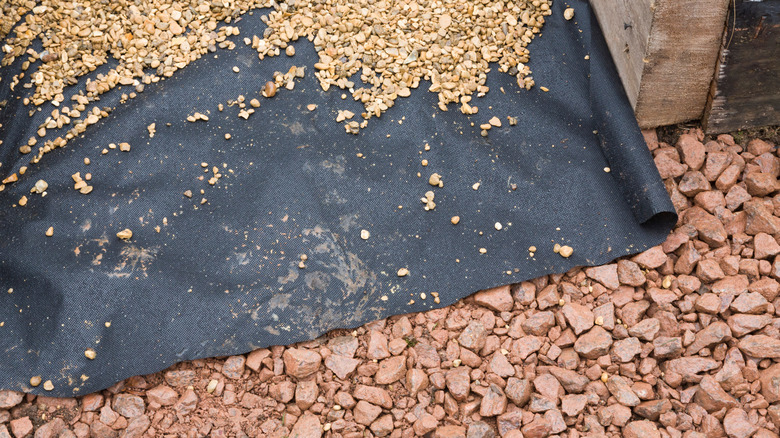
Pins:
<point x="679" y="341"/>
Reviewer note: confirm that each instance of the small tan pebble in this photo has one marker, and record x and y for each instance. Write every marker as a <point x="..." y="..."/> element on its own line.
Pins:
<point x="203" y="201"/>
<point x="512" y="121"/>
<point x="485" y="126"/>
<point x="87" y="176"/>
<point x="326" y="427"/>
<point x="568" y="13"/>
<point x="311" y="106"/>
<point x="304" y="257"/>
<point x="23" y="201"/>
<point x="236" y="69"/>
<point x="188" y="193"/>
<point x="204" y="164"/>
<point x="533" y="249"/>
<point x="557" y="248"/>
<point x="435" y="180"/>
<point x="604" y="377"/>
<point x="566" y="251"/>
<point x="365" y="234"/>
<point x="85" y="190"/>
<point x="607" y="170"/>
<point x="50" y="232"/>
<point x="254" y="103"/>
<point x="336" y="407"/>
<point x="11" y="178"/>
<point x="599" y="320"/>
<point x="545" y="89"/>
<point x="269" y="90"/>
<point x="107" y="324"/>
<point x="35" y="380"/>
<point x="424" y="162"/>
<point x="124" y="147"/>
<point x="667" y="282"/>
<point x="587" y="57"/>
<point x="125" y="234"/>
<point x="456" y="363"/>
<point x="22" y="170"/>
<point x="423" y="295"/>
<point x="40" y="186"/>
<point x="619" y="321"/>
<point x="561" y="302"/>
<point x="104" y="151"/>
<point x="483" y="250"/>
<point x="86" y="161"/>
<point x="475" y="186"/>
<point x="403" y="272"/>
<point x="212" y="386"/>
<point x="228" y="136"/>
<point x="152" y="128"/>
<point x="301" y="265"/>
<point x="289" y="51"/>
<point x="495" y="121"/>
<point x="454" y="220"/>
<point x="90" y="354"/>
<point x="47" y="385"/>
<point x="112" y="145"/>
<point x="498" y="226"/>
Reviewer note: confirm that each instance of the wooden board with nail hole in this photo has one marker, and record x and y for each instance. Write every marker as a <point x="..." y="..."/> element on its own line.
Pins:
<point x="665" y="52"/>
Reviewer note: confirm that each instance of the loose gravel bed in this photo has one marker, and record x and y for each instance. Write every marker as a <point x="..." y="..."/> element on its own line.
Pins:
<point x="682" y="340"/>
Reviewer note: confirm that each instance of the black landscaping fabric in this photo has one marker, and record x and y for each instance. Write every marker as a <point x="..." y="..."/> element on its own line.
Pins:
<point x="222" y="278"/>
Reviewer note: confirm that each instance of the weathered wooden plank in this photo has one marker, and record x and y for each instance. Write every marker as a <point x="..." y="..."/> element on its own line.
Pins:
<point x="626" y="28"/>
<point x="746" y="92"/>
<point x="665" y="52"/>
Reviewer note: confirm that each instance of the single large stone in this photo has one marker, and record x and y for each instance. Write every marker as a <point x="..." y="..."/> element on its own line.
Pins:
<point x="9" y="399"/>
<point x="690" y="367"/>
<point x="518" y="390"/>
<point x="652" y="409"/>
<point x="307" y="426"/>
<point x="374" y="395"/>
<point x="572" y="381"/>
<point x="641" y="429"/>
<point x="391" y="370"/>
<point x="760" y="346"/>
<point x="341" y="366"/>
<point x="365" y="413"/>
<point x="742" y="324"/>
<point x="162" y="395"/>
<point x="233" y="368"/>
<point x="493" y="403"/>
<point x="579" y="317"/>
<point x="711" y="396"/>
<point x="737" y="424"/>
<point x="301" y="363"/>
<point x="594" y="343"/>
<point x="473" y="336"/>
<point x="606" y="275"/>
<point x="714" y="333"/>
<point x="539" y="323"/>
<point x="129" y="405"/>
<point x="458" y="381"/>
<point x="621" y="390"/>
<point x="497" y="298"/>
<point x="770" y="383"/>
